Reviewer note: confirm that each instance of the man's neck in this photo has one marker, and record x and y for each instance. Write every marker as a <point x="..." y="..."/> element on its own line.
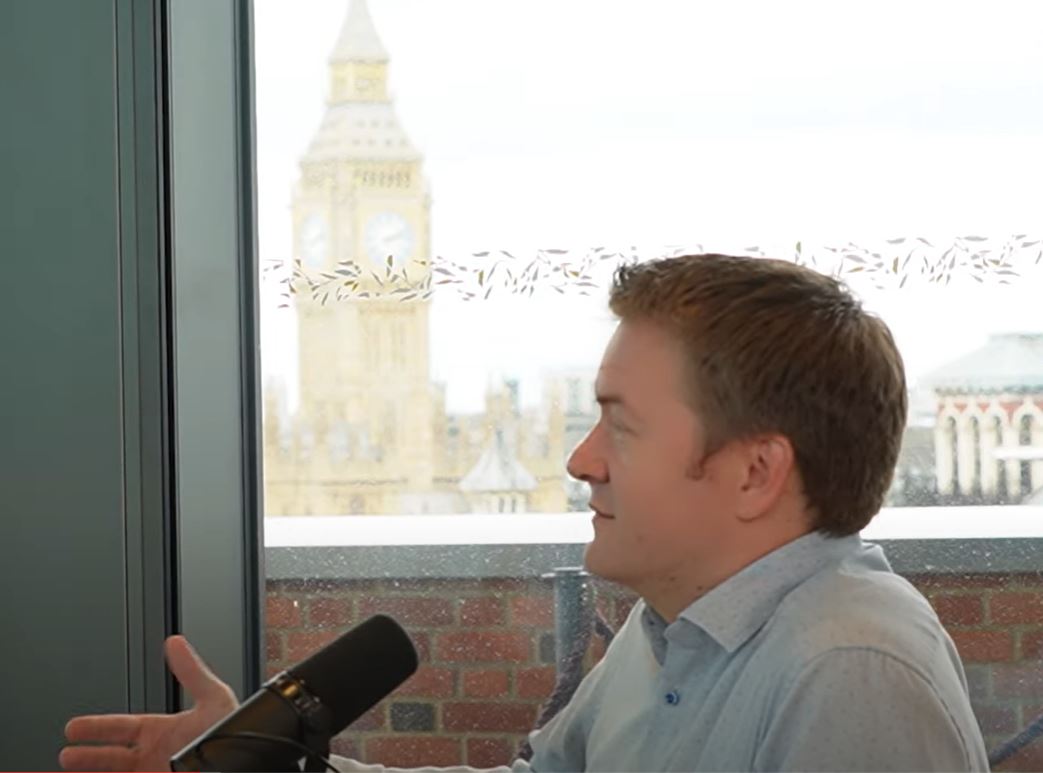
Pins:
<point x="673" y="593"/>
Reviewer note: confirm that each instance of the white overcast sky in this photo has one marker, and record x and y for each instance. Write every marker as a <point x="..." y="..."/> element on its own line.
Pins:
<point x="572" y="123"/>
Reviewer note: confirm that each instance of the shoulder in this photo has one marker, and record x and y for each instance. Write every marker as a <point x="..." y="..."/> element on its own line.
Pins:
<point x="851" y="608"/>
<point x="863" y="709"/>
<point x="845" y="624"/>
<point x="863" y="653"/>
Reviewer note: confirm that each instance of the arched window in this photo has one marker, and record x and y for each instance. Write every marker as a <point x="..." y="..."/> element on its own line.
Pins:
<point x="976" y="463"/>
<point x="1001" y="466"/>
<point x="1025" y="439"/>
<point x="305" y="443"/>
<point x="954" y="455"/>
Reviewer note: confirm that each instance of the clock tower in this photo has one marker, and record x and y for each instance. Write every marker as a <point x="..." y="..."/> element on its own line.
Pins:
<point x="365" y="397"/>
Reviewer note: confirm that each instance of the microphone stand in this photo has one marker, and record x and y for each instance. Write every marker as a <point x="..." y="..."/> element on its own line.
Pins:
<point x="319" y="743"/>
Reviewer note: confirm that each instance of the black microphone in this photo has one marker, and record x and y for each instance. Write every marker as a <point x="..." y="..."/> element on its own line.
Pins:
<point x="297" y="711"/>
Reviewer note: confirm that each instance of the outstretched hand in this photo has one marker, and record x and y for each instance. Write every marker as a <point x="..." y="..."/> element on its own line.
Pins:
<point x="148" y="741"/>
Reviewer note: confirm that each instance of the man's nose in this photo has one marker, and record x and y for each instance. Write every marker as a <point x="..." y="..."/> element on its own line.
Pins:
<point x="586" y="462"/>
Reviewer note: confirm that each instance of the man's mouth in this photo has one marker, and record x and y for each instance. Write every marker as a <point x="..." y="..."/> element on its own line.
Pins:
<point x="601" y="514"/>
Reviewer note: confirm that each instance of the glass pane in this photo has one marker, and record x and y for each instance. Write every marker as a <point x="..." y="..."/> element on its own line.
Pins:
<point x="445" y="190"/>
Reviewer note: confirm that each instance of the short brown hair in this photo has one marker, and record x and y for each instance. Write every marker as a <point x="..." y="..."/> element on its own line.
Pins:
<point x="777" y="348"/>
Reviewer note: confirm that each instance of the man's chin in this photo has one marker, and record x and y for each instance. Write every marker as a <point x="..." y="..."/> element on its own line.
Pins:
<point x="598" y="564"/>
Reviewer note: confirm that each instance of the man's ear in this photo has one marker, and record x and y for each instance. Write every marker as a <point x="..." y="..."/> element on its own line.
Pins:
<point x="768" y="462"/>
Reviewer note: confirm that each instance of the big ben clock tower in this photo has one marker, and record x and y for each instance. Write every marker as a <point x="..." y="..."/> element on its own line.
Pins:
<point x="364" y="384"/>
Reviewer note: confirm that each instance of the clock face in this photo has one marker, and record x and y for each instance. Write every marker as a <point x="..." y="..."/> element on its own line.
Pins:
<point x="388" y="234"/>
<point x="313" y="240"/>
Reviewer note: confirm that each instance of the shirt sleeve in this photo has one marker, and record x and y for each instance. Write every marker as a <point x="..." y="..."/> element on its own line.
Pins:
<point x="347" y="765"/>
<point x="864" y="710"/>
<point x="560" y="746"/>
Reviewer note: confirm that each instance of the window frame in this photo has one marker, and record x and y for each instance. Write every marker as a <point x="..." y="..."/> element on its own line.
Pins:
<point x="216" y="335"/>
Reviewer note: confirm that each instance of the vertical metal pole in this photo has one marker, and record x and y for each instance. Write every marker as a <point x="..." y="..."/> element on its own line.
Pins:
<point x="570" y="589"/>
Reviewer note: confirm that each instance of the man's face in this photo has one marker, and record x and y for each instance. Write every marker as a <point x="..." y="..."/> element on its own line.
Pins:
<point x="654" y="520"/>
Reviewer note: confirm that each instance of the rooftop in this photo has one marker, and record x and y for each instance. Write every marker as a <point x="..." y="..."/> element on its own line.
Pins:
<point x="1008" y="362"/>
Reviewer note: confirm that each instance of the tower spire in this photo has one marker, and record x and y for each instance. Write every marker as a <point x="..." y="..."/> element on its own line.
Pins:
<point x="360" y="121"/>
<point x="359" y="61"/>
<point x="358" y="40"/>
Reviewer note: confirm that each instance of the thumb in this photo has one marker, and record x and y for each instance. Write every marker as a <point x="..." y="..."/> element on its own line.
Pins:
<point x="192" y="673"/>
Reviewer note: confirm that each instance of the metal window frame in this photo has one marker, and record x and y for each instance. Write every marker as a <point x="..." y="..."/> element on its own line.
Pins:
<point x="216" y="335"/>
<point x="132" y="313"/>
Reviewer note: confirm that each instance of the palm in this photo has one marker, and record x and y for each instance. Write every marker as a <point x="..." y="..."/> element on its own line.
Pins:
<point x="164" y="735"/>
<point x="148" y="741"/>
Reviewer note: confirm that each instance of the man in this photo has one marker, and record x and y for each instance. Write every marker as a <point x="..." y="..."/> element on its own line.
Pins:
<point x="751" y="417"/>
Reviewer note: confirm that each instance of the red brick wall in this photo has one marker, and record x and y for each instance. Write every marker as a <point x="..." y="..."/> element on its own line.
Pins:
<point x="996" y="621"/>
<point x="487" y="657"/>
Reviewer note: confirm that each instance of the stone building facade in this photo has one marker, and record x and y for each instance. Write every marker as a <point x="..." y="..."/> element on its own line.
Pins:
<point x="988" y="435"/>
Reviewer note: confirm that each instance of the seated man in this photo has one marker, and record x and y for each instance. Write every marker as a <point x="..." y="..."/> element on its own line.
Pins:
<point x="751" y="417"/>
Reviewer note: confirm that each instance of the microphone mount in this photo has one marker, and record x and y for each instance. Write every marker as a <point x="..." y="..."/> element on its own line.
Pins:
<point x="316" y="718"/>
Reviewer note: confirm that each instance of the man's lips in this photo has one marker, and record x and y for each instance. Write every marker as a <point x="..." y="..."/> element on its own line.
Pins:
<point x="600" y="514"/>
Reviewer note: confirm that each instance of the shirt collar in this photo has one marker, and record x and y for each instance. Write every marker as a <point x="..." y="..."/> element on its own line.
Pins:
<point x="736" y="609"/>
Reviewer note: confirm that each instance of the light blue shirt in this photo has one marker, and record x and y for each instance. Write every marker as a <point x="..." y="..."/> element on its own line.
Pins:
<point x="815" y="657"/>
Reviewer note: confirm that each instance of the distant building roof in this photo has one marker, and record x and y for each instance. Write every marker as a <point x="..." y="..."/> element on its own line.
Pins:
<point x="498" y="470"/>
<point x="358" y="40"/>
<point x="1008" y="362"/>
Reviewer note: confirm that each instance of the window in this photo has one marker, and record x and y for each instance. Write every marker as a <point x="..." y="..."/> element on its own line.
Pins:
<point x="1025" y="467"/>
<point x="952" y="443"/>
<point x="457" y="195"/>
<point x="1000" y="472"/>
<point x="976" y="469"/>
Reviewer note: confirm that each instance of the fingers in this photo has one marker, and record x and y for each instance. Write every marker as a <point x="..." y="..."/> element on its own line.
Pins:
<point x="192" y="673"/>
<point x="97" y="758"/>
<point x="104" y="728"/>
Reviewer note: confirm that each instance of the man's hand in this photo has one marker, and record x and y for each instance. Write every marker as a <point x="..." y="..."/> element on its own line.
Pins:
<point x="148" y="741"/>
